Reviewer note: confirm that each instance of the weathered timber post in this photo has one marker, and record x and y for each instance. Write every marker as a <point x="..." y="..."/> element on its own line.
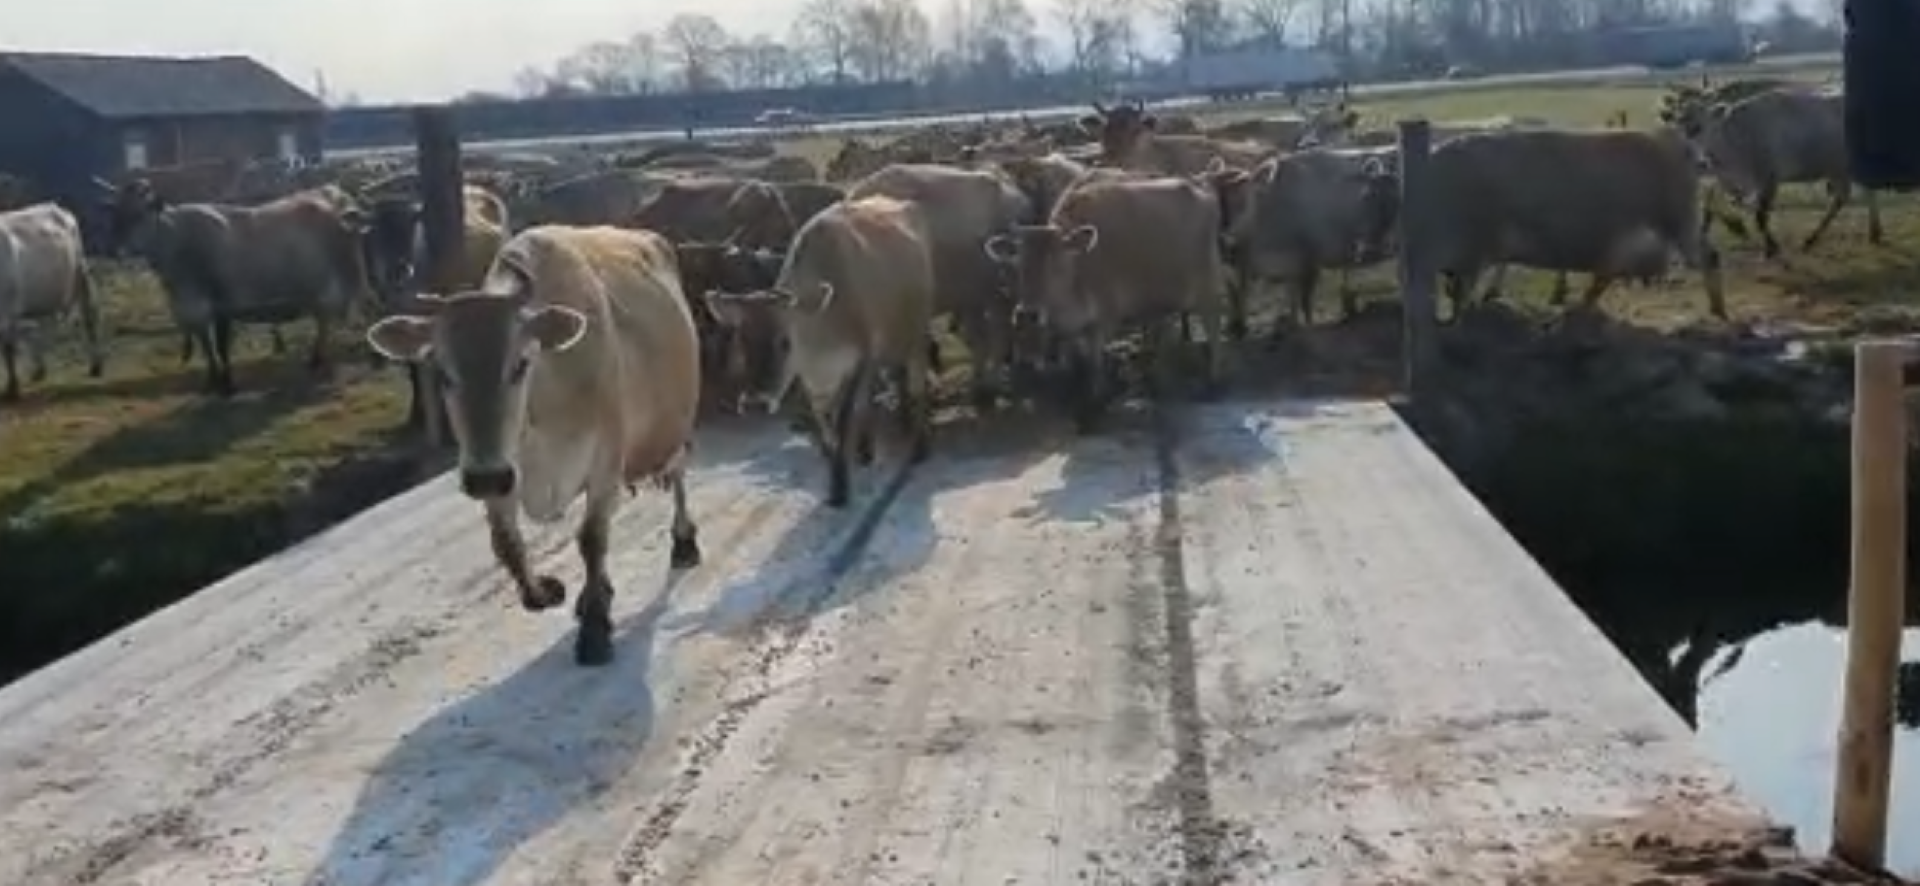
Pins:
<point x="437" y="143"/>
<point x="1864" y="766"/>
<point x="1417" y="275"/>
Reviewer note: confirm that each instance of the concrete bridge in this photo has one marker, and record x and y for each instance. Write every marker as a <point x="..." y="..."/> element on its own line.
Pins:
<point x="1264" y="642"/>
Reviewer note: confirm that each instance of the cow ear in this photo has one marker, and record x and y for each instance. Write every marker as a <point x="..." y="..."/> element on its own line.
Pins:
<point x="1148" y="121"/>
<point x="1083" y="238"/>
<point x="556" y="327"/>
<point x="402" y="337"/>
<point x="1091" y="123"/>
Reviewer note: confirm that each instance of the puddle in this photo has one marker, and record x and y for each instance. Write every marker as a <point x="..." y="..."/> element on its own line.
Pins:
<point x="1773" y="720"/>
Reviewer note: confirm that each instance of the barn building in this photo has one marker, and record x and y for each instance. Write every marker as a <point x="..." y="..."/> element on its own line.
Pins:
<point x="72" y="117"/>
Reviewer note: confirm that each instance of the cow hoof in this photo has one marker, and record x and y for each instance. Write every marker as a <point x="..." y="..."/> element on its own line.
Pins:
<point x="1210" y="390"/>
<point x="95" y="370"/>
<point x="686" y="553"/>
<point x="546" y="593"/>
<point x="1236" y="329"/>
<point x="837" y="497"/>
<point x="593" y="646"/>
<point x="920" y="451"/>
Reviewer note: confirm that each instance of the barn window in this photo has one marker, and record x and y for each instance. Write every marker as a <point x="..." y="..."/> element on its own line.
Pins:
<point x="135" y="150"/>
<point x="289" y="145"/>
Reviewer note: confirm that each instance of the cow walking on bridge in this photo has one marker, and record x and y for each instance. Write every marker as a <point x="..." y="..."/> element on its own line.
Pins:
<point x="573" y="370"/>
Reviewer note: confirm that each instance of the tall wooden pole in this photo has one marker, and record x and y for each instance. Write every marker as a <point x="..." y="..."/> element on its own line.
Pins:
<point x="1864" y="769"/>
<point x="1417" y="276"/>
<point x="442" y="218"/>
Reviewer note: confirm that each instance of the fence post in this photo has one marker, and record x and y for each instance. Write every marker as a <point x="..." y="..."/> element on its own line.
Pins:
<point x="442" y="217"/>
<point x="1417" y="276"/>
<point x="1864" y="766"/>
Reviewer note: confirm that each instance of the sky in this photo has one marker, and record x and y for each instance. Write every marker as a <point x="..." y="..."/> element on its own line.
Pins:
<point x="380" y="50"/>
<point x="386" y="50"/>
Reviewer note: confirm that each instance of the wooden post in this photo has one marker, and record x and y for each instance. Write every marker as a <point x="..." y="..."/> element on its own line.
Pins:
<point x="1864" y="770"/>
<point x="1417" y="276"/>
<point x="442" y="218"/>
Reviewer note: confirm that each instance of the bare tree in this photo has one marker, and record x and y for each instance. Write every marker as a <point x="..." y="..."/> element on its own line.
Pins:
<point x="695" y="42"/>
<point x="825" y="28"/>
<point x="892" y="40"/>
<point x="1267" y="20"/>
<point x="604" y="68"/>
<point x="643" y="59"/>
<point x="530" y="82"/>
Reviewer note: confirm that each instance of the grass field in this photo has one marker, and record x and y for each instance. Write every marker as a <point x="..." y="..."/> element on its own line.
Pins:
<point x="121" y="493"/>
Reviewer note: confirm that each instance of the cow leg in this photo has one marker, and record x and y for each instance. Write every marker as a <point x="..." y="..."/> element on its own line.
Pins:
<point x="685" y="534"/>
<point x="1763" y="219"/>
<point x="1237" y="305"/>
<point x="1839" y="194"/>
<point x="1215" y="353"/>
<point x="1596" y="287"/>
<point x="1349" y="300"/>
<point x="10" y="352"/>
<point x="510" y="551"/>
<point x="1875" y="233"/>
<point x="1304" y="283"/>
<point x="37" y="345"/>
<point x="223" y="346"/>
<point x="90" y="322"/>
<point x="593" y="609"/>
<point x="845" y="406"/>
<point x="1561" y="287"/>
<point x="279" y="341"/>
<point x="916" y="410"/>
<point x="1090" y="380"/>
<point x="322" y="333"/>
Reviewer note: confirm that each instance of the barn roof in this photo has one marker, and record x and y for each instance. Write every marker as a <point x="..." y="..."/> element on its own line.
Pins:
<point x="123" y="87"/>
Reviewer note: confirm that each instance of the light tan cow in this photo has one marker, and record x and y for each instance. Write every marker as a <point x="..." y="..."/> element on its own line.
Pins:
<point x="855" y="295"/>
<point x="964" y="207"/>
<point x="43" y="276"/>
<point x="1778" y="137"/>
<point x="604" y="197"/>
<point x="1129" y="140"/>
<point x="573" y="371"/>
<point x="1119" y="251"/>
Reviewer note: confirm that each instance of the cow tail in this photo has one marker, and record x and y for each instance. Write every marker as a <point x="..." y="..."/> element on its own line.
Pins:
<point x="89" y="318"/>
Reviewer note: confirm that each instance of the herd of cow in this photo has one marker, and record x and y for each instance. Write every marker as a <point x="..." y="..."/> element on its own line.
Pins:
<point x="593" y="314"/>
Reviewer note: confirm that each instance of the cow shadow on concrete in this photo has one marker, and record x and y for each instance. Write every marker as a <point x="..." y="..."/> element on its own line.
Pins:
<point x="1160" y="446"/>
<point x="834" y="557"/>
<point x="459" y="795"/>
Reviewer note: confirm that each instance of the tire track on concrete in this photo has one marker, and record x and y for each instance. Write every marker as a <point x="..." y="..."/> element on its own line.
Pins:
<point x="635" y="856"/>
<point x="1202" y="834"/>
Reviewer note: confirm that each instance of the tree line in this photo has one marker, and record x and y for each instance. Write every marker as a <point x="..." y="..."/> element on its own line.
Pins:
<point x="997" y="45"/>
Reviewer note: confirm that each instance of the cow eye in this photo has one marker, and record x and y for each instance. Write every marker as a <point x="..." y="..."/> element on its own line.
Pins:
<point x="519" y="373"/>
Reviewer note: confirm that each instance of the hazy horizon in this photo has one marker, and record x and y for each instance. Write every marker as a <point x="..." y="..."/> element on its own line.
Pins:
<point x="398" y="50"/>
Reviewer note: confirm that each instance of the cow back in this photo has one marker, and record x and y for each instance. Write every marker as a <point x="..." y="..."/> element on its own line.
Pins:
<point x="1158" y="249"/>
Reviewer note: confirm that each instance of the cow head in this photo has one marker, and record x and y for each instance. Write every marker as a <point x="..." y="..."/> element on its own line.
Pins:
<point x="1043" y="258"/>
<point x="481" y="348"/>
<point x="708" y="273"/>
<point x="761" y="217"/>
<point x="129" y="209"/>
<point x="388" y="245"/>
<point x="1119" y="129"/>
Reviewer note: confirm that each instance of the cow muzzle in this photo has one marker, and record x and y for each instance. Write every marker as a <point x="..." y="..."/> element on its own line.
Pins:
<point x="488" y="483"/>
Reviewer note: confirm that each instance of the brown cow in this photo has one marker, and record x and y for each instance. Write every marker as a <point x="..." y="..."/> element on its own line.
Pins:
<point x="299" y="256"/>
<point x="571" y="372"/>
<point x="1567" y="201"/>
<point x="1129" y="140"/>
<point x="855" y="296"/>
<point x="964" y="207"/>
<point x="1784" y="136"/>
<point x="1117" y="251"/>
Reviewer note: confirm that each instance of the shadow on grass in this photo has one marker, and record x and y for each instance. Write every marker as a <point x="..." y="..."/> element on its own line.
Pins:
<point x="198" y="431"/>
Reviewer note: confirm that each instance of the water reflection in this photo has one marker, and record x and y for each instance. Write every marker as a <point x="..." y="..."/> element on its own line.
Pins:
<point x="1769" y="710"/>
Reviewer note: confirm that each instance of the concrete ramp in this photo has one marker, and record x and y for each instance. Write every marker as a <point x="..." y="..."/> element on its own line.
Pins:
<point x="1267" y="643"/>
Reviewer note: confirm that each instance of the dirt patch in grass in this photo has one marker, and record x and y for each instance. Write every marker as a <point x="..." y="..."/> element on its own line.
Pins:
<point x="120" y="494"/>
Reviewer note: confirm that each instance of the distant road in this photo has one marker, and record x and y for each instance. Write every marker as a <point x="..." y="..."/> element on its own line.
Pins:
<point x="1595" y="76"/>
